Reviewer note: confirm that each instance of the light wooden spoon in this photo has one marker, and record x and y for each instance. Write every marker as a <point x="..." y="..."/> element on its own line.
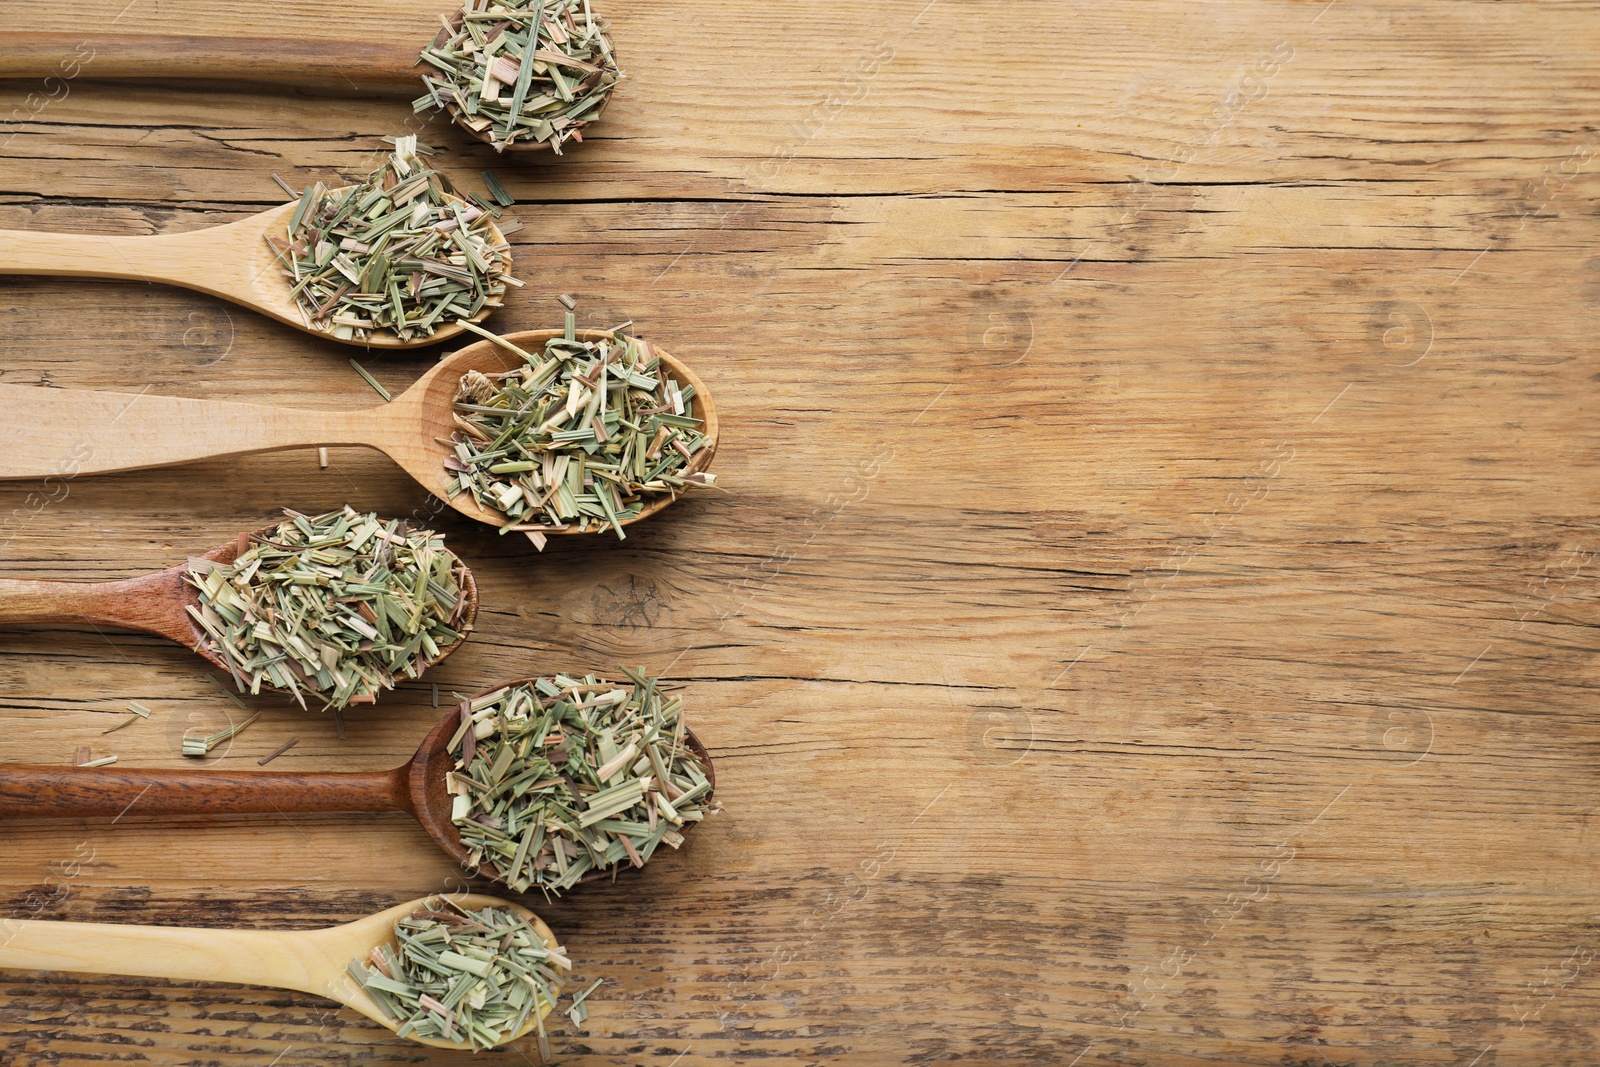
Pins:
<point x="153" y="603"/>
<point x="310" y="961"/>
<point x="232" y="261"/>
<point x="417" y="787"/>
<point x="65" y="433"/>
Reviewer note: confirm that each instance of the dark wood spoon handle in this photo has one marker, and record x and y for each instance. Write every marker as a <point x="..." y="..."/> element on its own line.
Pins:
<point x="150" y="602"/>
<point x="88" y="791"/>
<point x="62" y="57"/>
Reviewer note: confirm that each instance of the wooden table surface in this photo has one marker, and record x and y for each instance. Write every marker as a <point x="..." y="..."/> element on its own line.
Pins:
<point x="1152" y="619"/>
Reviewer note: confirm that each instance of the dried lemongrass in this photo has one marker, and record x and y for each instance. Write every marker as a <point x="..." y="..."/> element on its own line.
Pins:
<point x="580" y="439"/>
<point x="399" y="255"/>
<point x="565" y="776"/>
<point x="475" y="977"/>
<point x="337" y="606"/>
<point x="522" y="71"/>
<point x="137" y="711"/>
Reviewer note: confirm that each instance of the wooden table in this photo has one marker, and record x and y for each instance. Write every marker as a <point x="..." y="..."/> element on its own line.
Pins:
<point x="1152" y="616"/>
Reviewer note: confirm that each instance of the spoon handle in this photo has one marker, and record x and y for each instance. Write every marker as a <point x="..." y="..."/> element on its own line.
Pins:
<point x="58" y="58"/>
<point x="152" y="603"/>
<point x="246" y="957"/>
<point x="187" y="259"/>
<point x="93" y="791"/>
<point x="57" y="434"/>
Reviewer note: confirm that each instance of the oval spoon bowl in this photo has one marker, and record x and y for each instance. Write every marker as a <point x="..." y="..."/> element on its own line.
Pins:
<point x="463" y="120"/>
<point x="432" y="803"/>
<point x="434" y="399"/>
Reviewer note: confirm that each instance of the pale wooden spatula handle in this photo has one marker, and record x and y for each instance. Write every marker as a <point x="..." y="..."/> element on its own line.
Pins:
<point x="248" y="957"/>
<point x="204" y="259"/>
<point x="64" y="432"/>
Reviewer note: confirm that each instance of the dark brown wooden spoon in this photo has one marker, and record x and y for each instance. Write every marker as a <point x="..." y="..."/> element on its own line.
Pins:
<point x="418" y="788"/>
<point x="154" y="603"/>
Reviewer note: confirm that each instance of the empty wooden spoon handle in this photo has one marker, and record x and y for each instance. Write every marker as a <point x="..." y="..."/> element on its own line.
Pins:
<point x="246" y="957"/>
<point x="67" y="432"/>
<point x="142" y="603"/>
<point x="344" y="64"/>
<point x="91" y="791"/>
<point x="224" y="260"/>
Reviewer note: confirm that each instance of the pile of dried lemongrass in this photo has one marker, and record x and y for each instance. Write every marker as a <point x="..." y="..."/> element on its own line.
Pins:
<point x="399" y="254"/>
<point x="529" y="71"/>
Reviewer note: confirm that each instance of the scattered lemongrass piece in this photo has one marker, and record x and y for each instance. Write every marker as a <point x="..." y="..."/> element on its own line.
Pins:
<point x="198" y="747"/>
<point x="577" y="1012"/>
<point x="275" y="753"/>
<point x="377" y="386"/>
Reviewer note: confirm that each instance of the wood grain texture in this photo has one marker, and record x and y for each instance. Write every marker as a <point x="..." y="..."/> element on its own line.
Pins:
<point x="1153" y="620"/>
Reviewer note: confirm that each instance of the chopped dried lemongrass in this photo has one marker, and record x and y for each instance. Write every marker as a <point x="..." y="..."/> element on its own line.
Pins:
<point x="521" y="71"/>
<point x="377" y="387"/>
<point x="103" y="761"/>
<point x="491" y="181"/>
<point x="565" y="776"/>
<point x="198" y="747"/>
<point x="474" y="977"/>
<point x="275" y="753"/>
<point x="398" y="255"/>
<point x="580" y="439"/>
<point x="337" y="606"/>
<point x="139" y="712"/>
<point x="576" y="1011"/>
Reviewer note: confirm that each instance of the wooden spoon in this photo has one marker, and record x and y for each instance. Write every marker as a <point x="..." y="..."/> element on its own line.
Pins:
<point x="232" y="261"/>
<point x="418" y="787"/>
<point x="311" y="961"/>
<point x="365" y="66"/>
<point x="152" y="603"/>
<point x="64" y="433"/>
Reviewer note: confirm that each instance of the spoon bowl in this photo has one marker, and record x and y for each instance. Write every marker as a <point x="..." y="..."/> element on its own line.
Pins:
<point x="432" y="803"/>
<point x="417" y="788"/>
<point x="158" y="603"/>
<point x="459" y="116"/>
<point x="429" y="402"/>
<point x="232" y="261"/>
<point x="310" y="961"/>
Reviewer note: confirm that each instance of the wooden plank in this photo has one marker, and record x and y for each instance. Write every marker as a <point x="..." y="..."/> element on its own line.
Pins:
<point x="1151" y="619"/>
